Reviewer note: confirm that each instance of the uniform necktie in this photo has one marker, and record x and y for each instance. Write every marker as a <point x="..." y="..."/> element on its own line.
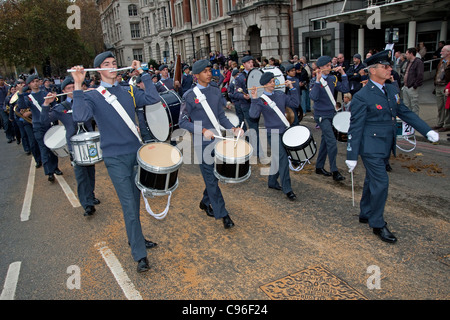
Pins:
<point x="385" y="92"/>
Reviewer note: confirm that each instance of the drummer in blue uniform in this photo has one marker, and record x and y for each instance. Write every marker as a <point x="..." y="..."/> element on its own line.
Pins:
<point x="195" y="119"/>
<point x="275" y="126"/>
<point x="165" y="82"/>
<point x="34" y="101"/>
<point x="324" y="112"/>
<point x="372" y="135"/>
<point x="85" y="175"/>
<point x="119" y="143"/>
<point x="243" y="96"/>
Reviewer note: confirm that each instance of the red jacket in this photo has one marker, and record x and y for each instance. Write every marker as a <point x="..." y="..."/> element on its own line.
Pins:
<point x="447" y="102"/>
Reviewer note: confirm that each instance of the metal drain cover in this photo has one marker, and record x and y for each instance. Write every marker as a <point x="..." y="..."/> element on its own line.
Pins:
<point x="313" y="283"/>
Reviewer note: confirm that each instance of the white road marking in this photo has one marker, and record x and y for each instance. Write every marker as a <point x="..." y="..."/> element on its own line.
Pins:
<point x="9" y="288"/>
<point x="121" y="277"/>
<point x="69" y="193"/>
<point x="26" y="207"/>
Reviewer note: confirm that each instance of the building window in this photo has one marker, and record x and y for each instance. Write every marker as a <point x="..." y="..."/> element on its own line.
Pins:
<point x="132" y="10"/>
<point x="205" y="11"/>
<point x="164" y="16"/>
<point x="135" y="30"/>
<point x="137" y="54"/>
<point x="319" y="25"/>
<point x="217" y="8"/>
<point x="319" y="46"/>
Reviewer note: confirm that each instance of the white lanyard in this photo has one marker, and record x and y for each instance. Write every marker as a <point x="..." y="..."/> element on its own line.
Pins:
<point x="36" y="104"/>
<point x="112" y="100"/>
<point x="328" y="91"/>
<point x="202" y="99"/>
<point x="277" y="110"/>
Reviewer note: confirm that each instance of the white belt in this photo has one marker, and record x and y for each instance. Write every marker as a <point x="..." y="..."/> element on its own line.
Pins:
<point x="277" y="110"/>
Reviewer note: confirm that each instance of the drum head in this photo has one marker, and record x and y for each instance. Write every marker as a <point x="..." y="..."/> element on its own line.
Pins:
<point x="341" y="121"/>
<point x="55" y="137"/>
<point x="226" y="149"/>
<point x="253" y="80"/>
<point x="296" y="136"/>
<point x="279" y="77"/>
<point x="158" y="121"/>
<point x="160" y="155"/>
<point x="85" y="136"/>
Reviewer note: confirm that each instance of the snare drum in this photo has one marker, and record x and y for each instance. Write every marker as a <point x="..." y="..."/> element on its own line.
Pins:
<point x="299" y="143"/>
<point x="86" y="149"/>
<point x="55" y="140"/>
<point x="232" y="165"/>
<point x="341" y="124"/>
<point x="158" y="168"/>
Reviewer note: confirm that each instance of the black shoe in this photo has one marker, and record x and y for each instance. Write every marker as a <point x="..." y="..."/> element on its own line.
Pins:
<point x="10" y="140"/>
<point x="323" y="172"/>
<point x="28" y="153"/>
<point x="337" y="176"/>
<point x="143" y="265"/>
<point x="385" y="234"/>
<point x="208" y="209"/>
<point x="38" y="165"/>
<point x="148" y="244"/>
<point x="18" y="141"/>
<point x="363" y="220"/>
<point x="291" y="195"/>
<point x="278" y="187"/>
<point x="89" y="211"/>
<point x="388" y="168"/>
<point x="96" y="201"/>
<point x="58" y="172"/>
<point x="51" y="177"/>
<point x="227" y="222"/>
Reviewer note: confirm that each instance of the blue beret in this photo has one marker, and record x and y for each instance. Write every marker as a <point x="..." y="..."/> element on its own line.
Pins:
<point x="247" y="59"/>
<point x="357" y="56"/>
<point x="266" y="77"/>
<point x="289" y="67"/>
<point x="235" y="72"/>
<point x="68" y="80"/>
<point x="200" y="65"/>
<point x="323" y="60"/>
<point x="383" y="57"/>
<point x="102" y="57"/>
<point x="31" y="78"/>
<point x="162" y="67"/>
<point x="138" y="79"/>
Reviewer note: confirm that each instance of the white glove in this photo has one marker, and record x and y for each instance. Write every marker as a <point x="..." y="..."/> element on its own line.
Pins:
<point x="351" y="164"/>
<point x="433" y="136"/>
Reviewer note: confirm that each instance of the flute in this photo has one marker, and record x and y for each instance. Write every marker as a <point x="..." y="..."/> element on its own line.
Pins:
<point x="103" y="69"/>
<point x="327" y="69"/>
<point x="62" y="94"/>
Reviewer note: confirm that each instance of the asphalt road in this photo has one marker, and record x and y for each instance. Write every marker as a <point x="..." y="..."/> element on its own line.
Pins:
<point x="61" y="255"/>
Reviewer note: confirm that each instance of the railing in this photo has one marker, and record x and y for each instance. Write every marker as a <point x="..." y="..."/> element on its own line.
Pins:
<point x="432" y="64"/>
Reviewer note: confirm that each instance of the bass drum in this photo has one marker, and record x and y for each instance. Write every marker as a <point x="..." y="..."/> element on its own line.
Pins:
<point x="255" y="75"/>
<point x="170" y="99"/>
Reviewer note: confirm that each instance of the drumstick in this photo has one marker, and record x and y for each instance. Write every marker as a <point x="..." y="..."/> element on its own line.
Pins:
<point x="237" y="138"/>
<point x="223" y="138"/>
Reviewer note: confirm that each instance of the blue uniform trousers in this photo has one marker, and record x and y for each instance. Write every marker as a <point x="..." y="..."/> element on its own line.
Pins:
<point x="279" y="166"/>
<point x="122" y="171"/>
<point x="212" y="195"/>
<point x="34" y="147"/>
<point x="252" y="124"/>
<point x="7" y="125"/>
<point x="328" y="144"/>
<point x="23" y="135"/>
<point x="375" y="191"/>
<point x="85" y="176"/>
<point x="49" y="159"/>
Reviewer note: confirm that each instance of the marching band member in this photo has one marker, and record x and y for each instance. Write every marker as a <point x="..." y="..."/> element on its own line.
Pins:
<point x="324" y="111"/>
<point x="85" y="175"/>
<point x="166" y="83"/>
<point x="291" y="76"/>
<point x="34" y="101"/>
<point x="275" y="126"/>
<point x="119" y="142"/>
<point x="194" y="118"/>
<point x="372" y="136"/>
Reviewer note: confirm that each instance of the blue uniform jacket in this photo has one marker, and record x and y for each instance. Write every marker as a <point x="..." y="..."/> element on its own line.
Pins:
<point x="194" y="118"/>
<point x="322" y="103"/>
<point x="271" y="119"/>
<point x="373" y="129"/>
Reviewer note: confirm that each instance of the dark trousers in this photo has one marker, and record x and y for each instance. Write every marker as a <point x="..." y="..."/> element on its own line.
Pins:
<point x="7" y="125"/>
<point x="375" y="191"/>
<point x="34" y="147"/>
<point x="328" y="144"/>
<point x="25" y="144"/>
<point x="49" y="159"/>
<point x="279" y="165"/>
<point x="122" y="171"/>
<point x="253" y="125"/>
<point x="85" y="176"/>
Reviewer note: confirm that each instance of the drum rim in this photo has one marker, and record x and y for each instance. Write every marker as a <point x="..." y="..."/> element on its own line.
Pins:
<point x="154" y="192"/>
<point x="233" y="180"/>
<point x="307" y="142"/>
<point x="95" y="135"/>
<point x="242" y="159"/>
<point x="51" y="130"/>
<point x="159" y="170"/>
